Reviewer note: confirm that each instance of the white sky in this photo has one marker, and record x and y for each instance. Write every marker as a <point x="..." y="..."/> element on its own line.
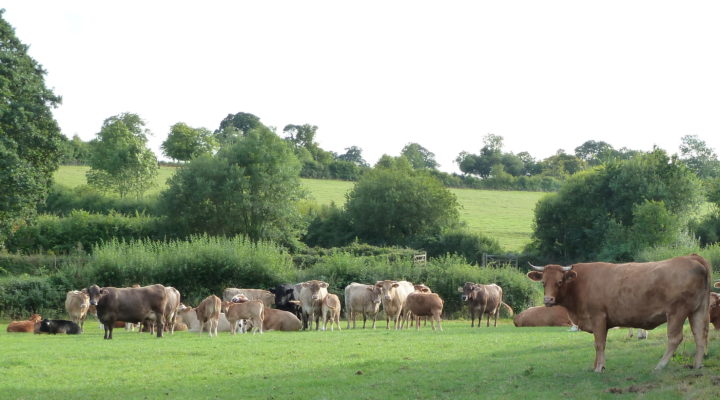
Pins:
<point x="544" y="75"/>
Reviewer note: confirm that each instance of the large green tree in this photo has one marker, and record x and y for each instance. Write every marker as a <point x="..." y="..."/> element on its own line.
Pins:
<point x="30" y="139"/>
<point x="699" y="157"/>
<point x="234" y="126"/>
<point x="120" y="161"/>
<point x="395" y="204"/>
<point x="613" y="211"/>
<point x="185" y="142"/>
<point x="250" y="187"/>
<point x="419" y="157"/>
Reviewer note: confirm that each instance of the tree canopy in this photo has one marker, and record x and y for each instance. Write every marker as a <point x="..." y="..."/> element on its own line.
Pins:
<point x="30" y="139"/>
<point x="185" y="143"/>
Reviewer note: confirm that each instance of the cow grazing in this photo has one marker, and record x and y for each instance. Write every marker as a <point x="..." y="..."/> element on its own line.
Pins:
<point x="312" y="294"/>
<point x="483" y="299"/>
<point x="331" y="310"/>
<point x="715" y="309"/>
<point x="27" y="326"/>
<point x="208" y="313"/>
<point x="252" y="294"/>
<point x="543" y="316"/>
<point x="394" y="294"/>
<point x="362" y="299"/>
<point x="422" y="304"/>
<point x="252" y="310"/>
<point x="284" y="294"/>
<point x="55" y="326"/>
<point x="131" y="305"/>
<point x="601" y="295"/>
<point x="77" y="304"/>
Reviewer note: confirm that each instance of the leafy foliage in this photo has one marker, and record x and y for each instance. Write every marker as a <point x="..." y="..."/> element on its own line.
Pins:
<point x="185" y="143"/>
<point x="30" y="140"/>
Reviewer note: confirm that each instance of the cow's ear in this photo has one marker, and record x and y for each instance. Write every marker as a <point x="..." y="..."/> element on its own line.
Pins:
<point x="717" y="284"/>
<point x="378" y="284"/>
<point x="460" y="289"/>
<point x="324" y="285"/>
<point x="371" y="288"/>
<point x="570" y="275"/>
<point x="103" y="291"/>
<point x="290" y="291"/>
<point x="535" y="275"/>
<point x="271" y="290"/>
<point x="395" y="284"/>
<point x="304" y="284"/>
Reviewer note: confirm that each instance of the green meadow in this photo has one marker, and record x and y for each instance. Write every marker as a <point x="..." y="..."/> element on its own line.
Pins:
<point x="459" y="363"/>
<point x="504" y="215"/>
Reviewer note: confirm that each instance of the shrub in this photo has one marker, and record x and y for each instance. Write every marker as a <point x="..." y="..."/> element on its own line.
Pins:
<point x="23" y="295"/>
<point x="470" y="245"/>
<point x="63" y="200"/>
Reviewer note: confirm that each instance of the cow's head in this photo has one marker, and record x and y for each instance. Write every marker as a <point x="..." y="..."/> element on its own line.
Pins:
<point x="717" y="284"/>
<point x="554" y="279"/>
<point x="283" y="294"/>
<point x="422" y="288"/>
<point x="375" y="294"/>
<point x="45" y="325"/>
<point x="95" y="292"/>
<point x="316" y="287"/>
<point x="239" y="298"/>
<point x="467" y="290"/>
<point x="35" y="318"/>
<point x="388" y="288"/>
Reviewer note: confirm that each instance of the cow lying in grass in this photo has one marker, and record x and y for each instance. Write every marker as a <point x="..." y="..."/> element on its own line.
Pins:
<point x="26" y="326"/>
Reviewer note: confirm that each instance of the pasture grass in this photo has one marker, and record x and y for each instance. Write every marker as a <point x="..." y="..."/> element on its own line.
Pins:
<point x="459" y="363"/>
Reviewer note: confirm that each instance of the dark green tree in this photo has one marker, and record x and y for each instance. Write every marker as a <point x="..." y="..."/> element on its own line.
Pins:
<point x="595" y="152"/>
<point x="353" y="154"/>
<point x="121" y="162"/>
<point x="699" y="157"/>
<point x="394" y="204"/>
<point x="419" y="157"/>
<point x="251" y="187"/>
<point x="30" y="139"/>
<point x="234" y="126"/>
<point x="185" y="143"/>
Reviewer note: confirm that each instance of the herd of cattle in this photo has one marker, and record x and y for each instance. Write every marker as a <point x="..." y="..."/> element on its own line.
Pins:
<point x="593" y="297"/>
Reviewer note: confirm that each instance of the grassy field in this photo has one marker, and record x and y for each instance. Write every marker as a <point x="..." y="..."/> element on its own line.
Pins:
<point x="459" y="363"/>
<point x="506" y="216"/>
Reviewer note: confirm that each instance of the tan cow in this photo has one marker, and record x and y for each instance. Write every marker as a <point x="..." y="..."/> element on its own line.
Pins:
<point x="483" y="299"/>
<point x="77" y="304"/>
<point x="331" y="310"/>
<point x="543" y="316"/>
<point x="362" y="299"/>
<point x="27" y="326"/>
<point x="715" y="309"/>
<point x="265" y="296"/>
<point x="601" y="295"/>
<point x="312" y="294"/>
<point x="278" y="320"/>
<point x="188" y="318"/>
<point x="394" y="294"/>
<point x="252" y="310"/>
<point x="422" y="304"/>
<point x="208" y="312"/>
<point x="171" y="307"/>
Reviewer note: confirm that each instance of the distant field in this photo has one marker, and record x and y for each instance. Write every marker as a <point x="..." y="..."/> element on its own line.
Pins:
<point x="460" y="363"/>
<point x="504" y="215"/>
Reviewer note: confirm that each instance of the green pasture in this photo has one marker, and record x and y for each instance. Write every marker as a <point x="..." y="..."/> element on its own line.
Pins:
<point x="504" y="215"/>
<point x="459" y="363"/>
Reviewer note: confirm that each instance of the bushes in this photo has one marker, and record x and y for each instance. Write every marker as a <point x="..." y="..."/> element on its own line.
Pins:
<point x="63" y="200"/>
<point x="80" y="231"/>
<point x="21" y="296"/>
<point x="462" y="242"/>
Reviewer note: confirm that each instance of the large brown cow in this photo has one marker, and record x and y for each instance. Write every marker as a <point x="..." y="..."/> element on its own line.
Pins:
<point x="312" y="294"/>
<point x="543" y="316"/>
<point x="208" y="313"/>
<point x="483" y="299"/>
<point x="423" y="304"/>
<point x="77" y="304"/>
<point x="394" y="294"/>
<point x="363" y="299"/>
<point x="129" y="304"/>
<point x="265" y="296"/>
<point x="600" y="296"/>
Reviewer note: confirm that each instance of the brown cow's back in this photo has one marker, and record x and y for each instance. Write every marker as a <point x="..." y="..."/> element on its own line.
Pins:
<point x="543" y="316"/>
<point x="425" y="305"/>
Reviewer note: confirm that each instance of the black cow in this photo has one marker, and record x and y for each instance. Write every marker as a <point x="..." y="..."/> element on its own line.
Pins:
<point x="284" y="294"/>
<point x="55" y="326"/>
<point x="130" y="305"/>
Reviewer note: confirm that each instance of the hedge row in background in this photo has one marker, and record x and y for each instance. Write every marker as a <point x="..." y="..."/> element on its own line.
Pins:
<point x="62" y="200"/>
<point x="206" y="265"/>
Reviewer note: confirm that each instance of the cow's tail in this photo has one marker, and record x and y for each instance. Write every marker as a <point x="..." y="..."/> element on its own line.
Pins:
<point x="507" y="307"/>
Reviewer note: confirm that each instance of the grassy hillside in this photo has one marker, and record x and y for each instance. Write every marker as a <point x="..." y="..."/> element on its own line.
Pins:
<point x="506" y="216"/>
<point x="460" y="363"/>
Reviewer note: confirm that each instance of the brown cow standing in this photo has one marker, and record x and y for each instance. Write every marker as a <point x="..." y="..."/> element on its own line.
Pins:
<point x="129" y="304"/>
<point x="600" y="296"/>
<point x="171" y="308"/>
<point x="331" y="310"/>
<point x="483" y="299"/>
<point x="312" y="294"/>
<point x="253" y="310"/>
<point x="394" y="294"/>
<point x="77" y="304"/>
<point x="363" y="299"/>
<point x="208" y="312"/>
<point x="715" y="308"/>
<point x="543" y="316"/>
<point x="27" y="326"/>
<point x="423" y="304"/>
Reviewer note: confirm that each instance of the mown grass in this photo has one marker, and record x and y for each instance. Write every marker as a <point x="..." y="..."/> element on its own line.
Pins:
<point x="459" y="363"/>
<point x="504" y="215"/>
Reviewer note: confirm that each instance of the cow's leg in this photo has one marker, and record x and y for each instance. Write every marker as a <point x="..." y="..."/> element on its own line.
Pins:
<point x="439" y="321"/>
<point x="472" y="317"/>
<point x="480" y="316"/>
<point x="374" y="319"/>
<point x="497" y="312"/>
<point x="600" y="339"/>
<point x="675" y="336"/>
<point x="159" y="324"/>
<point x="105" y="327"/>
<point x="699" y="325"/>
<point x="324" y="321"/>
<point x="109" y="330"/>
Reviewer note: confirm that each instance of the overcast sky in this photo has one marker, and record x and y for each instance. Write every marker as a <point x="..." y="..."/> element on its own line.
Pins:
<point x="545" y="75"/>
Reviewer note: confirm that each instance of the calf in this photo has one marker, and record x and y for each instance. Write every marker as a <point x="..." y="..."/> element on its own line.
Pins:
<point x="421" y="304"/>
<point x="483" y="299"/>
<point x="715" y="309"/>
<point x="128" y="304"/>
<point x="55" y="326"/>
<point x="394" y="294"/>
<point x="77" y="304"/>
<point x="312" y="294"/>
<point x="253" y="310"/>
<point x="363" y="299"/>
<point x="24" y="326"/>
<point x="543" y="316"/>
<point x="208" y="312"/>
<point x="331" y="311"/>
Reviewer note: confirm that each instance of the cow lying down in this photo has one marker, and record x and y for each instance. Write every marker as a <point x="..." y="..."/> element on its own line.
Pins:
<point x="187" y="317"/>
<point x="55" y="326"/>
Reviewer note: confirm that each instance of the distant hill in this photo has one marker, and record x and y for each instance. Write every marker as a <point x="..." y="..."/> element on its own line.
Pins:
<point x="504" y="215"/>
